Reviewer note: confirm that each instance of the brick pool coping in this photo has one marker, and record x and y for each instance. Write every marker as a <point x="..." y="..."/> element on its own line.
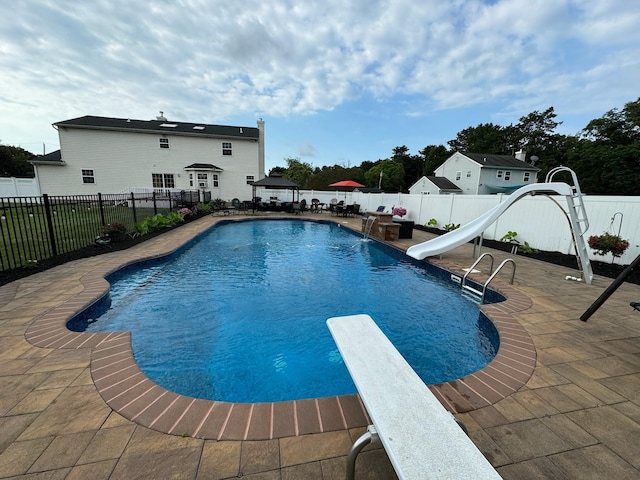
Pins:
<point x="129" y="392"/>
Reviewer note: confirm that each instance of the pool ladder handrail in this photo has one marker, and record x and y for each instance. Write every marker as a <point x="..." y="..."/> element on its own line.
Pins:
<point x="479" y="295"/>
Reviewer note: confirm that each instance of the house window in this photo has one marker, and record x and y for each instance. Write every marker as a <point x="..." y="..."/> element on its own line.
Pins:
<point x="507" y="175"/>
<point x="468" y="173"/>
<point x="226" y="148"/>
<point x="202" y="180"/>
<point x="164" y="143"/>
<point x="499" y="174"/>
<point x="163" y="180"/>
<point x="215" y="180"/>
<point x="191" y="179"/>
<point x="458" y="175"/>
<point x="250" y="179"/>
<point x="88" y="176"/>
<point x="526" y="177"/>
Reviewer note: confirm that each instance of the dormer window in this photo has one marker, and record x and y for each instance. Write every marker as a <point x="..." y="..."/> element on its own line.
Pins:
<point x="164" y="143"/>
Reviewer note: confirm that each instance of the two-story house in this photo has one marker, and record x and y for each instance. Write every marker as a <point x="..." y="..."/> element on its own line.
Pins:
<point x="115" y="155"/>
<point x="480" y="173"/>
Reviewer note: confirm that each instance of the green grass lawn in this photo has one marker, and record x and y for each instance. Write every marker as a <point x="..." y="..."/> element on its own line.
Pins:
<point x="26" y="236"/>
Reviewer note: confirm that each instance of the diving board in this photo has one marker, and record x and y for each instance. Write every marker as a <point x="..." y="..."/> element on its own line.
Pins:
<point x="421" y="438"/>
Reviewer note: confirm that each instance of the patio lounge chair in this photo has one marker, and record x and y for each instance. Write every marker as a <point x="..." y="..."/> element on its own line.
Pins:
<point x="635" y="305"/>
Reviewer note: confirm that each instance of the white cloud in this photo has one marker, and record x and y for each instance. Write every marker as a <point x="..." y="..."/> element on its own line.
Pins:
<point x="208" y="60"/>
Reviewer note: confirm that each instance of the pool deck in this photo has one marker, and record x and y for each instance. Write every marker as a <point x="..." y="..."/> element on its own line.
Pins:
<point x="560" y="401"/>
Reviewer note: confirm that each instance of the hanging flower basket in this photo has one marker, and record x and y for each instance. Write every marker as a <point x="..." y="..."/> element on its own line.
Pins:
<point x="608" y="243"/>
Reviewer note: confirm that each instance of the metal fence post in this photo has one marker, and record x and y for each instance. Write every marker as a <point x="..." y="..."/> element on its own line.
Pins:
<point x="52" y="236"/>
<point x="100" y="204"/>
<point x="133" y="206"/>
<point x="155" y="207"/>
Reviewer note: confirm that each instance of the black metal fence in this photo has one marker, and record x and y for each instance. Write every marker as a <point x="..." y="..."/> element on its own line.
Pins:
<point x="37" y="228"/>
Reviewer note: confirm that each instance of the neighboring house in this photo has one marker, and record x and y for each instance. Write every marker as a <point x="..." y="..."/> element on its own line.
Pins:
<point x="434" y="186"/>
<point x="479" y="173"/>
<point x="116" y="155"/>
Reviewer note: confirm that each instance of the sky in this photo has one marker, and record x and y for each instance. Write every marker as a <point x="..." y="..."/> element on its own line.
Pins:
<point x="336" y="81"/>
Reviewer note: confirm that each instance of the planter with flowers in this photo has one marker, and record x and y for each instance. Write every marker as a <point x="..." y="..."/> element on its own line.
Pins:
<point x="608" y="243"/>
<point x="117" y="232"/>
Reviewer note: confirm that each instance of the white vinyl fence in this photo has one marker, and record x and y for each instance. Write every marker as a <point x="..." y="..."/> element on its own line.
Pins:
<point x="19" y="187"/>
<point x="538" y="220"/>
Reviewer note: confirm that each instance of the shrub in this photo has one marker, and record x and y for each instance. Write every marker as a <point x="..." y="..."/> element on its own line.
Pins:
<point x="111" y="228"/>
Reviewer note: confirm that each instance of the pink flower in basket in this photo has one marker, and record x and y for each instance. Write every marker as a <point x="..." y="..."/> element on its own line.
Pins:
<point x="399" y="211"/>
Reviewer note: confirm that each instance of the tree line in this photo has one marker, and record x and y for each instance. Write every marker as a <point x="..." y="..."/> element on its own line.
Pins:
<point x="605" y="154"/>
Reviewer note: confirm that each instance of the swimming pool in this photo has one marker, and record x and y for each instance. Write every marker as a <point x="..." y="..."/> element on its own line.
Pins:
<point x="236" y="297"/>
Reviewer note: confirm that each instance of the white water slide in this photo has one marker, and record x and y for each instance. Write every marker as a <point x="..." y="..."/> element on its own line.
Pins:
<point x="471" y="230"/>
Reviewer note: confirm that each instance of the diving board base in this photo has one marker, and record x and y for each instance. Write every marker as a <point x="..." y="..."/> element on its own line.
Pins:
<point x="421" y="438"/>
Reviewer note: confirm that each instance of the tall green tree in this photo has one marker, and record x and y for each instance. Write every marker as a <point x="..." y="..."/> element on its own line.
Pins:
<point x="412" y="165"/>
<point x="14" y="162"/>
<point x="484" y="138"/>
<point x="298" y="171"/>
<point x="392" y="178"/>
<point x="433" y="156"/>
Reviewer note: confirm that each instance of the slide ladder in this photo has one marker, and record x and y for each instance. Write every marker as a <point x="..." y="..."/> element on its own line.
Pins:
<point x="578" y="220"/>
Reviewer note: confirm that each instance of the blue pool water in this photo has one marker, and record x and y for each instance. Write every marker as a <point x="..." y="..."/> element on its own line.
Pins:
<point x="239" y="314"/>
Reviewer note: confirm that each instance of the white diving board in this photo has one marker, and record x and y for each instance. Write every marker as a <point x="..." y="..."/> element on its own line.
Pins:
<point x="421" y="438"/>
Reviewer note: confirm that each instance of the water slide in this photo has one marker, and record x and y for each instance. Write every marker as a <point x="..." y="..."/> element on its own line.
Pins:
<point x="471" y="230"/>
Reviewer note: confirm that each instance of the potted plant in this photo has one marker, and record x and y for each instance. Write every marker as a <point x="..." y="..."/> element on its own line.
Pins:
<point x="608" y="243"/>
<point x="115" y="231"/>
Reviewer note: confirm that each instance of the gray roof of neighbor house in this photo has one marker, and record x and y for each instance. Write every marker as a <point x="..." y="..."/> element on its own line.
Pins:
<point x="52" y="158"/>
<point x="506" y="161"/>
<point x="444" y="184"/>
<point x="159" y="126"/>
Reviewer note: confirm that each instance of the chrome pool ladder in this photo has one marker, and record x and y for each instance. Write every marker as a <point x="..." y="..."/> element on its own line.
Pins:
<point x="478" y="295"/>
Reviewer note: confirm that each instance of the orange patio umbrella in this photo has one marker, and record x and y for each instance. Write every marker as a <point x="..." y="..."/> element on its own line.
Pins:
<point x="346" y="184"/>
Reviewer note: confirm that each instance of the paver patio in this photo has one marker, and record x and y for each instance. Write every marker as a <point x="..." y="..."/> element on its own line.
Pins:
<point x="578" y="416"/>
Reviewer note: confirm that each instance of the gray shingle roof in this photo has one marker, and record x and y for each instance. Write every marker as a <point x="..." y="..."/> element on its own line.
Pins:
<point x="53" y="158"/>
<point x="444" y="183"/>
<point x="160" y="126"/>
<point x="507" y="161"/>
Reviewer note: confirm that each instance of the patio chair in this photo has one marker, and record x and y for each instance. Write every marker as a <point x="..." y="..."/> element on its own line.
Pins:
<point x="636" y="306"/>
<point x="381" y="208"/>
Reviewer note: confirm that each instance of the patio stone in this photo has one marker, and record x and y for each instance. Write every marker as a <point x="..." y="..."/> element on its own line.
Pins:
<point x="311" y="448"/>
<point x="94" y="471"/>
<point x="18" y="457"/>
<point x="259" y="456"/>
<point x="219" y="460"/>
<point x="613" y="429"/>
<point x="526" y="440"/>
<point x="536" y="469"/>
<point x="593" y="463"/>
<point x="63" y="451"/>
